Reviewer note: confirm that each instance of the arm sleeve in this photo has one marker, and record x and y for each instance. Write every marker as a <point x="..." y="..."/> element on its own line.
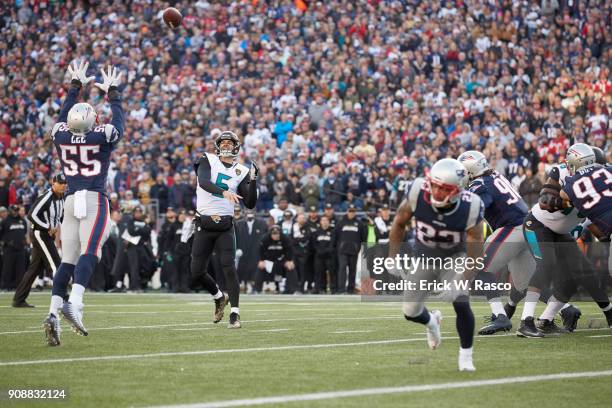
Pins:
<point x="70" y="101"/>
<point x="36" y="214"/>
<point x="203" y="172"/>
<point x="248" y="190"/>
<point x="114" y="97"/>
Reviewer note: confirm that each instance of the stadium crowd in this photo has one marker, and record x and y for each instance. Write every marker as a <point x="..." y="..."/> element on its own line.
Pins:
<point x="341" y="102"/>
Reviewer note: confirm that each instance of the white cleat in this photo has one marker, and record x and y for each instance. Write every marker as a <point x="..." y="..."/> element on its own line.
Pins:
<point x="434" y="337"/>
<point x="465" y="360"/>
<point x="466" y="364"/>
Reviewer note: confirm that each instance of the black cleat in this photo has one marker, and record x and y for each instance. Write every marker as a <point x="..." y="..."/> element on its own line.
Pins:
<point x="608" y="317"/>
<point x="528" y="329"/>
<point x="22" y="304"/>
<point x="499" y="323"/>
<point x="220" y="308"/>
<point x="547" y="327"/>
<point x="117" y="290"/>
<point x="234" y="321"/>
<point x="74" y="315"/>
<point x="52" y="330"/>
<point x="569" y="317"/>
<point x="509" y="310"/>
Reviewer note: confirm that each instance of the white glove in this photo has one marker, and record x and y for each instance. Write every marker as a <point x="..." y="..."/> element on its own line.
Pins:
<point x="79" y="72"/>
<point x="109" y="78"/>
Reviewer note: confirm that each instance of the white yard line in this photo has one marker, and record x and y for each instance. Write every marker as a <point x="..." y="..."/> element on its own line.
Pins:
<point x="271" y="330"/>
<point x="317" y="396"/>
<point x="206" y="352"/>
<point x="157" y="326"/>
<point x="350" y="331"/>
<point x="193" y="328"/>
<point x="603" y="335"/>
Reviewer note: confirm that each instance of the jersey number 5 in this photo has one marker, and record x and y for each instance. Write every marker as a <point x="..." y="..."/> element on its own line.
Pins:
<point x="584" y="188"/>
<point x="221" y="183"/>
<point x="72" y="155"/>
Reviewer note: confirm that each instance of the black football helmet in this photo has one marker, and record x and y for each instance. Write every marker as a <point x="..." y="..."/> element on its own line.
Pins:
<point x="227" y="135"/>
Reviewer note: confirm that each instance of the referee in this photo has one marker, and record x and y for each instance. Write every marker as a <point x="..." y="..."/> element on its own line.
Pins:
<point x="45" y="216"/>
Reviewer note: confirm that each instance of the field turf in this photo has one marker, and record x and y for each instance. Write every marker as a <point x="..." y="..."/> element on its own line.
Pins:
<point x="159" y="349"/>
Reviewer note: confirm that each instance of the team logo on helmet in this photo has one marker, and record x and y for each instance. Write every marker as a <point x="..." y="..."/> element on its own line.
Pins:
<point x="238" y="172"/>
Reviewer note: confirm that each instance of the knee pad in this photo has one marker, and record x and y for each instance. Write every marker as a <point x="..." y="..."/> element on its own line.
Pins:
<point x="412" y="309"/>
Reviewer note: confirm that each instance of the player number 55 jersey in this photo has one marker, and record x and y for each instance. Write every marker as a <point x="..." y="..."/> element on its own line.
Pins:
<point x="226" y="178"/>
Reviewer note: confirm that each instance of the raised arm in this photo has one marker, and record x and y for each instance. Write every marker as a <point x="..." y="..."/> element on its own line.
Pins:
<point x="110" y="86"/>
<point x="78" y="79"/>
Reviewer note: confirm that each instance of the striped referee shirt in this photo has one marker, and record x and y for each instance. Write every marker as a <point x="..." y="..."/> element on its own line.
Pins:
<point x="47" y="211"/>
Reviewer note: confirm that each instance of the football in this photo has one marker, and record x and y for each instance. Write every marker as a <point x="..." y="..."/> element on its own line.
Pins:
<point x="172" y="17"/>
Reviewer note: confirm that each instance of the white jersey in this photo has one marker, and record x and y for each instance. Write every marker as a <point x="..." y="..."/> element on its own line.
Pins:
<point x="227" y="178"/>
<point x="561" y="222"/>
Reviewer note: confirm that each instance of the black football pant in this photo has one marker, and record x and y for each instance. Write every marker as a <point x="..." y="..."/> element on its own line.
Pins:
<point x="322" y="265"/>
<point x="560" y="261"/>
<point x="347" y="261"/>
<point x="224" y="245"/>
<point x="44" y="254"/>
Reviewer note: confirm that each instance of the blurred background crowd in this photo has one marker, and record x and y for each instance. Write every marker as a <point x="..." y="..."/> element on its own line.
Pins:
<point x="340" y="102"/>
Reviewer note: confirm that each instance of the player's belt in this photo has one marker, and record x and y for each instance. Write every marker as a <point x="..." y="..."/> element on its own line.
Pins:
<point x="214" y="222"/>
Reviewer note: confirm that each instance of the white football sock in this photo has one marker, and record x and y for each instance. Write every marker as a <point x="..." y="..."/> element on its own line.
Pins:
<point x="432" y="323"/>
<point x="76" y="295"/>
<point x="56" y="304"/>
<point x="565" y="306"/>
<point x="235" y="310"/>
<point x="466" y="352"/>
<point x="218" y="295"/>
<point x="496" y="306"/>
<point x="552" y="308"/>
<point x="531" y="300"/>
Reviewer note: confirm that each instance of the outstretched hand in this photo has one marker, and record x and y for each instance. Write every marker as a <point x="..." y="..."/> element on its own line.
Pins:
<point x="109" y="79"/>
<point x="78" y="72"/>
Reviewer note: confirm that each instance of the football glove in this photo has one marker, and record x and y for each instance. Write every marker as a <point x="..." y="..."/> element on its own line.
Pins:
<point x="78" y="72"/>
<point x="254" y="171"/>
<point x="111" y="78"/>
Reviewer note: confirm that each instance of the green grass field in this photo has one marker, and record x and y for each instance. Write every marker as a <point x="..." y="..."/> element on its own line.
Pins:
<point x="159" y="349"/>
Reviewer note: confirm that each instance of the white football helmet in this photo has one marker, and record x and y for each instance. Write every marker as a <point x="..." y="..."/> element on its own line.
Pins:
<point x="474" y="162"/>
<point x="579" y="155"/>
<point x="81" y="118"/>
<point x="447" y="178"/>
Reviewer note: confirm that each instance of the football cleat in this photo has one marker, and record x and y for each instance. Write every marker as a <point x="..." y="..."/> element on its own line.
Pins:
<point x="52" y="330"/>
<point x="569" y="317"/>
<point x="434" y="337"/>
<point x="500" y="323"/>
<point x="528" y="329"/>
<point x="74" y="315"/>
<point x="609" y="318"/>
<point x="465" y="363"/>
<point x="509" y="310"/>
<point x="22" y="304"/>
<point x="549" y="327"/>
<point x="234" y="321"/>
<point x="220" y="308"/>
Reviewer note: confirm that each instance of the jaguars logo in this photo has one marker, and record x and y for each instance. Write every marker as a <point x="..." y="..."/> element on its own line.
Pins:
<point x="238" y="172"/>
<point x="216" y="219"/>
